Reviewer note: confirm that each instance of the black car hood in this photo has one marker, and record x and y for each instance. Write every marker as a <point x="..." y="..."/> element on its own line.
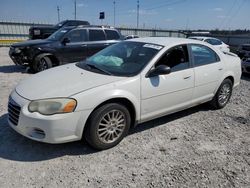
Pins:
<point x="32" y="43"/>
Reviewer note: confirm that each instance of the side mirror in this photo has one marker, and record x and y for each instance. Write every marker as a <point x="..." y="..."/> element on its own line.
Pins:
<point x="159" y="70"/>
<point x="65" y="41"/>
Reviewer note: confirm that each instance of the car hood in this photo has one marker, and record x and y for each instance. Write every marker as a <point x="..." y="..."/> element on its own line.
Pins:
<point x="62" y="81"/>
<point x="31" y="43"/>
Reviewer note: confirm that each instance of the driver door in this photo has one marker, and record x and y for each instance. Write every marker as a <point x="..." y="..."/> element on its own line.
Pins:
<point x="165" y="94"/>
<point x="77" y="48"/>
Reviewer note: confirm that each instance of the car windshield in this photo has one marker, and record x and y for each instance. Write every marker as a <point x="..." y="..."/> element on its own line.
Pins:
<point x="121" y="59"/>
<point x="58" y="34"/>
<point x="60" y="24"/>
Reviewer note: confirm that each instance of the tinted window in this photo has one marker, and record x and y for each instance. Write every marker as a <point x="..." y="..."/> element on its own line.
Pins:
<point x="71" y="23"/>
<point x="176" y="58"/>
<point x="203" y="55"/>
<point x="96" y="35"/>
<point x="112" y="35"/>
<point x="77" y="35"/>
<point x="213" y="41"/>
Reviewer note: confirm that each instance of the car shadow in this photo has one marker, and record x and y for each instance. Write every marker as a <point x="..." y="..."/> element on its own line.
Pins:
<point x="13" y="69"/>
<point x="16" y="147"/>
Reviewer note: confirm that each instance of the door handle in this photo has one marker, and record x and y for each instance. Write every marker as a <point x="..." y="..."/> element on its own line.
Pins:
<point x="186" y="77"/>
<point x="220" y="69"/>
<point x="107" y="44"/>
<point x="84" y="45"/>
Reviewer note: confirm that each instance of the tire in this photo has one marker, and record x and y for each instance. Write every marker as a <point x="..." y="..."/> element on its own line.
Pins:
<point x="222" y="95"/>
<point x="107" y="126"/>
<point x="42" y="63"/>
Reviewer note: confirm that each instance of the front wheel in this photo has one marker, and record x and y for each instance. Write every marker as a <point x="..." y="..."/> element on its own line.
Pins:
<point x="107" y="126"/>
<point x="42" y="63"/>
<point x="223" y="94"/>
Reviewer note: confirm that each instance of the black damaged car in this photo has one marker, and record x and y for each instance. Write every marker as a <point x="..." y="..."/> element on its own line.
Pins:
<point x="67" y="45"/>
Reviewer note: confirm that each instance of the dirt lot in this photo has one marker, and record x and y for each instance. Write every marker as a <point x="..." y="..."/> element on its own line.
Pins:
<point x="198" y="147"/>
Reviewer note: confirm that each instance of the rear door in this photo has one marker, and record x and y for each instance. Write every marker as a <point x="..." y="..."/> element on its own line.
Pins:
<point x="97" y="41"/>
<point x="208" y="69"/>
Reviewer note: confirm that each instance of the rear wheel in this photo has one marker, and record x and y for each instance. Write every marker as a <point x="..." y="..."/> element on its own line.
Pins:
<point x="107" y="126"/>
<point x="42" y="63"/>
<point x="223" y="94"/>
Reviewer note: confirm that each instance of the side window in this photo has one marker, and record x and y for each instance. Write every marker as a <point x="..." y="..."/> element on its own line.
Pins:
<point x="176" y="58"/>
<point x="96" y="35"/>
<point x="112" y="35"/>
<point x="203" y="55"/>
<point x="213" y="41"/>
<point x="77" y="35"/>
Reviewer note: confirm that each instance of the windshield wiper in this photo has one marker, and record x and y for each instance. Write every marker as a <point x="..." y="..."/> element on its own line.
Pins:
<point x="98" y="68"/>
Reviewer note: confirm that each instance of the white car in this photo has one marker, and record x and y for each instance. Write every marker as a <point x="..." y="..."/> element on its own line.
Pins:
<point x="125" y="84"/>
<point x="215" y="42"/>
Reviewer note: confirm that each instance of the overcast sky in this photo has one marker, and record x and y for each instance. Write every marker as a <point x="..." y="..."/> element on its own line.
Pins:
<point x="165" y="14"/>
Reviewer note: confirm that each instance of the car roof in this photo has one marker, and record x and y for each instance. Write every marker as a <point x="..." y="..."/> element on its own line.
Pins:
<point x="201" y="37"/>
<point x="90" y="27"/>
<point x="166" y="41"/>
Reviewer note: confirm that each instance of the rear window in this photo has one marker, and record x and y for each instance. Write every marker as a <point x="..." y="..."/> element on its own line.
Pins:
<point x="213" y="41"/>
<point x="96" y="35"/>
<point x="112" y="35"/>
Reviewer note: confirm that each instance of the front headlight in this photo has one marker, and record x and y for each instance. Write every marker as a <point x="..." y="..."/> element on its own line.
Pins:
<point x="53" y="106"/>
<point x="17" y="50"/>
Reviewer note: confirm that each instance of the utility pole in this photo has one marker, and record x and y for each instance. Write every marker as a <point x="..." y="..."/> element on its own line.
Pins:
<point x="75" y="9"/>
<point x="114" y="13"/>
<point x="58" y="13"/>
<point x="138" y="6"/>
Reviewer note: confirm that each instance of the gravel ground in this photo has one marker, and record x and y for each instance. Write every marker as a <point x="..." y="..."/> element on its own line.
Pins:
<point x="198" y="147"/>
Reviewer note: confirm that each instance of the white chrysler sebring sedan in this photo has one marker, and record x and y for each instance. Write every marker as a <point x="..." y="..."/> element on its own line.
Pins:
<point x="125" y="84"/>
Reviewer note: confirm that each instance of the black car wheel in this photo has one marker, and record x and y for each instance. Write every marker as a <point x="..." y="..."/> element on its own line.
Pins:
<point x="42" y="63"/>
<point x="223" y="94"/>
<point x="107" y="126"/>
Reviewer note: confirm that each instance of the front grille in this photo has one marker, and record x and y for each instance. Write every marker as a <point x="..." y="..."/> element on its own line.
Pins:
<point x="248" y="69"/>
<point x="14" y="111"/>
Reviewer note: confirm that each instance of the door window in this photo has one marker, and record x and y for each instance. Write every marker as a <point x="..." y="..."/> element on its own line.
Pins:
<point x="112" y="35"/>
<point x="203" y="55"/>
<point x="96" y="35"/>
<point x="77" y="35"/>
<point x="176" y="58"/>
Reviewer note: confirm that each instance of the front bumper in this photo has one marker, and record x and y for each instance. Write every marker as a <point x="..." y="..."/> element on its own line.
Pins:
<point x="58" y="128"/>
<point x="18" y="58"/>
